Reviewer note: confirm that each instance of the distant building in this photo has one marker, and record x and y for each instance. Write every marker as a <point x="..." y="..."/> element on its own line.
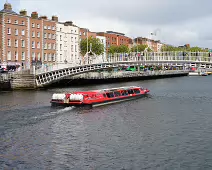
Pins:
<point x="115" y="38"/>
<point x="84" y="33"/>
<point x="26" y="40"/>
<point x="155" y="45"/>
<point x="67" y="43"/>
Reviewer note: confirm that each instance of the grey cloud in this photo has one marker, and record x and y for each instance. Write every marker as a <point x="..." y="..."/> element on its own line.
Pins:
<point x="179" y="21"/>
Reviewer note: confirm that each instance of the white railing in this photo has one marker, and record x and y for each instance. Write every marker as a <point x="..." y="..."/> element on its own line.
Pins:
<point x="151" y="57"/>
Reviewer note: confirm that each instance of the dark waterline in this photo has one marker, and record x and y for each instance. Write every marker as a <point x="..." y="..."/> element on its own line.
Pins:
<point x="169" y="129"/>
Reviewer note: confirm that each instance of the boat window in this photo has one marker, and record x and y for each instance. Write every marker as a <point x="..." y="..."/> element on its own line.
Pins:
<point x="130" y="91"/>
<point x="108" y="95"/>
<point x="111" y="94"/>
<point x="104" y="95"/>
<point x="117" y="93"/>
<point x="124" y="93"/>
<point x="137" y="91"/>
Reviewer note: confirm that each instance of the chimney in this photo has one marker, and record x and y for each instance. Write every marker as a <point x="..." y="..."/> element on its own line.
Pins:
<point x="68" y="23"/>
<point x="34" y="15"/>
<point x="8" y="6"/>
<point x="23" y="12"/>
<point x="43" y="17"/>
<point x="54" y="18"/>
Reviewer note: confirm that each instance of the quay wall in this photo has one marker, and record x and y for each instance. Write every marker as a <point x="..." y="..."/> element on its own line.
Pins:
<point x="26" y="80"/>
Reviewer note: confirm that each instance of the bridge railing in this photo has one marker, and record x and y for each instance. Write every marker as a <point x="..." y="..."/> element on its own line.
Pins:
<point x="172" y="56"/>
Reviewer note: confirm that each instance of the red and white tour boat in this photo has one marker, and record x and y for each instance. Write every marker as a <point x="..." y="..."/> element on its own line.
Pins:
<point x="98" y="97"/>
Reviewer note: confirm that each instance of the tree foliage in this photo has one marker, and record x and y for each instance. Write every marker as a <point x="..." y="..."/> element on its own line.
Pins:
<point x="96" y="46"/>
<point x="138" y="48"/>
<point x="191" y="49"/>
<point x="118" y="49"/>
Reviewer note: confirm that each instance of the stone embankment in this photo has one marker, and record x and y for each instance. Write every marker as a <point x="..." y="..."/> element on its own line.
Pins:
<point x="26" y="80"/>
<point x="23" y="80"/>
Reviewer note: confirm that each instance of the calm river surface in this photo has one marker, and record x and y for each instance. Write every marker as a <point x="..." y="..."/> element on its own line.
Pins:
<point x="169" y="129"/>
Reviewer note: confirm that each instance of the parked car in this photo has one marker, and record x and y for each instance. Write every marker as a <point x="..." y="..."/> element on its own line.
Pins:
<point x="3" y="69"/>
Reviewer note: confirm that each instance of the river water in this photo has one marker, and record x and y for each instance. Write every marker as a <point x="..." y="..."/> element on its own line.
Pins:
<point x="169" y="129"/>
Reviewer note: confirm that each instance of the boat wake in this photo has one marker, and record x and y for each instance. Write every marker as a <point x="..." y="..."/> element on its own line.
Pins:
<point x="53" y="113"/>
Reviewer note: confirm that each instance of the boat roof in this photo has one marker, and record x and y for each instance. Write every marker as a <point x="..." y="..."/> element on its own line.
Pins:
<point x="120" y="88"/>
<point x="105" y="90"/>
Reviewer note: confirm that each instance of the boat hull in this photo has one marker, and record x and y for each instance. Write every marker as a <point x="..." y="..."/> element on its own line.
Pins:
<point x="99" y="103"/>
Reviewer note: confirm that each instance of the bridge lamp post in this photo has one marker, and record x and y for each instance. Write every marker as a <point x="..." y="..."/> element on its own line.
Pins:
<point x="87" y="43"/>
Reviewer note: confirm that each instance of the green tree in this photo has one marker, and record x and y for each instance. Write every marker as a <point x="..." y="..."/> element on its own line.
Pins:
<point x="138" y="48"/>
<point x="118" y="49"/>
<point x="113" y="49"/>
<point x="123" y="49"/>
<point x="96" y="46"/>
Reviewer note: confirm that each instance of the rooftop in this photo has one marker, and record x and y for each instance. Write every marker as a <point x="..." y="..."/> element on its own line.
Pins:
<point x="117" y="33"/>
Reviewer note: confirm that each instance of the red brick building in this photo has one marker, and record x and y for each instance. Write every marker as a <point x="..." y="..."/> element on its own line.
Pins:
<point x="84" y="32"/>
<point x="153" y="44"/>
<point x="22" y="38"/>
<point x="115" y="38"/>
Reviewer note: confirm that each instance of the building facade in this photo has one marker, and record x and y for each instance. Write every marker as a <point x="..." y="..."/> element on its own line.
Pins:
<point x="115" y="38"/>
<point x="84" y="33"/>
<point x="68" y="43"/>
<point x="23" y="39"/>
<point x="155" y="45"/>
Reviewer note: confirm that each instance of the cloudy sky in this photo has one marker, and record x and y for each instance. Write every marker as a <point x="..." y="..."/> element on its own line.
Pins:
<point x="175" y="22"/>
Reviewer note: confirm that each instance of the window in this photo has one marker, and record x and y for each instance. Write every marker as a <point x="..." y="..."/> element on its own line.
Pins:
<point x="49" y="46"/>
<point x="45" y="46"/>
<point x="49" y="57"/>
<point x="33" y="44"/>
<point x="53" y="36"/>
<point x="33" y="25"/>
<point x="75" y="48"/>
<point x="60" y="37"/>
<point x="45" y="57"/>
<point x="53" y="46"/>
<point x="33" y="56"/>
<point x="16" y="43"/>
<point x="23" y="56"/>
<point x="49" y="27"/>
<point x="45" y="27"/>
<point x="38" y="26"/>
<point x="16" y="55"/>
<point x="22" y="43"/>
<point x="137" y="91"/>
<point x="33" y="34"/>
<point x="117" y="93"/>
<point x="71" y="39"/>
<point x="9" y="42"/>
<point x="49" y="36"/>
<point x="39" y="57"/>
<point x="45" y="35"/>
<point x="9" y="31"/>
<point x="9" y="55"/>
<point x="16" y="31"/>
<point x="60" y="29"/>
<point x="72" y="48"/>
<point x="9" y="20"/>
<point x="53" y="57"/>
<point x="60" y="57"/>
<point x="38" y="45"/>
<point x="16" y="22"/>
<point x="38" y="34"/>
<point x="53" y="28"/>
<point x="23" y="32"/>
<point x="22" y="23"/>
<point x="60" y="47"/>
